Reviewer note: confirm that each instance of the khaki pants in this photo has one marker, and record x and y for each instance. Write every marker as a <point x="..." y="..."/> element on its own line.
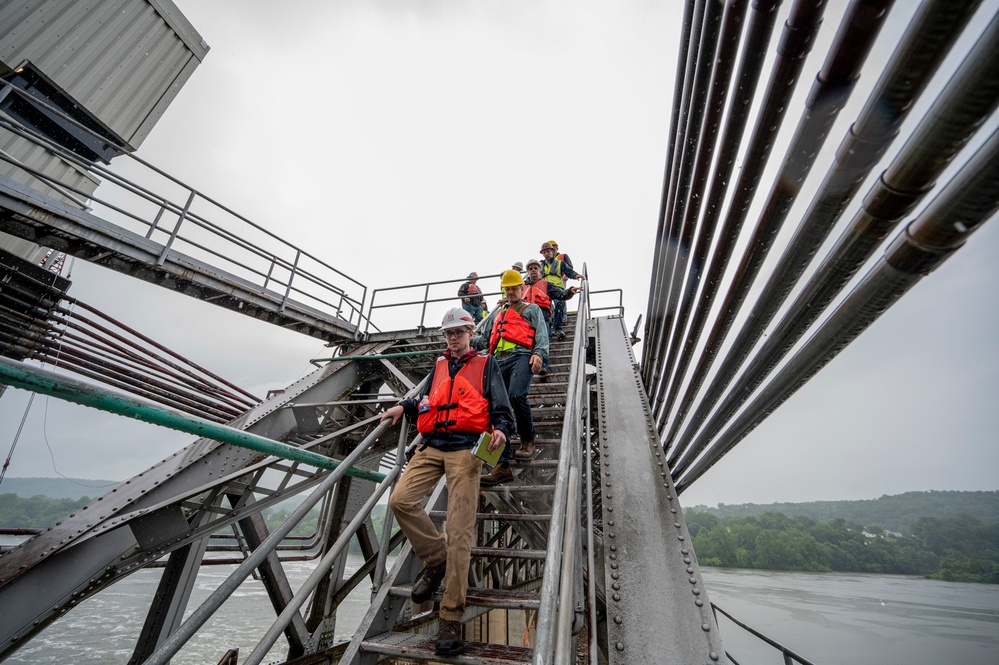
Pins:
<point x="462" y="470"/>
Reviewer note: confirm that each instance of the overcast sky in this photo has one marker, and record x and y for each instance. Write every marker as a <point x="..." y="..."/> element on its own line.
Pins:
<point x="416" y="141"/>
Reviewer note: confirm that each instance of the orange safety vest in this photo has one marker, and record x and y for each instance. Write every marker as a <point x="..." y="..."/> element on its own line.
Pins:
<point x="455" y="405"/>
<point x="511" y="326"/>
<point x="537" y="293"/>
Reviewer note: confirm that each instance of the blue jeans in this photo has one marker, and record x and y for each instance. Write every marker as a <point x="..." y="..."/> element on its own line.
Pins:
<point x="548" y="324"/>
<point x="516" y="371"/>
<point x="474" y="310"/>
<point x="558" y="307"/>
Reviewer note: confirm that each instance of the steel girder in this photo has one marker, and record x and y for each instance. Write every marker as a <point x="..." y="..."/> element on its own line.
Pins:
<point x="176" y="505"/>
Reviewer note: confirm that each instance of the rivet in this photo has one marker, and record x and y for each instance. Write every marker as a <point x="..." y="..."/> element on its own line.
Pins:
<point x="673" y="510"/>
<point x="676" y="525"/>
<point x="680" y="537"/>
<point x="690" y="571"/>
<point x="706" y="627"/>
<point x="611" y="523"/>
<point x="617" y="620"/>
<point x="699" y="602"/>
<point x="614" y="576"/>
<point x="616" y="586"/>
<point x="617" y="596"/>
<point x="684" y="550"/>
<point x="613" y="548"/>
<point x="696" y="591"/>
<point x="611" y="534"/>
<point x="620" y="646"/>
<point x="713" y="655"/>
<point x="613" y="565"/>
<point x="692" y="580"/>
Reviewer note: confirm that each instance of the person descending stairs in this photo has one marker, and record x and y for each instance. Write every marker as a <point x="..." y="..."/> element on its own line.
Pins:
<point x="508" y="558"/>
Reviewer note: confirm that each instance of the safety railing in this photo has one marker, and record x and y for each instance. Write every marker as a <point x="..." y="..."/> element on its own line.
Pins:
<point x="141" y="198"/>
<point x="606" y="296"/>
<point x="788" y="656"/>
<point x="403" y="300"/>
<point x="560" y="614"/>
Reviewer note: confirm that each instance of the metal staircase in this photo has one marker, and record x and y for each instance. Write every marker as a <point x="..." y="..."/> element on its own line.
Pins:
<point x="509" y="561"/>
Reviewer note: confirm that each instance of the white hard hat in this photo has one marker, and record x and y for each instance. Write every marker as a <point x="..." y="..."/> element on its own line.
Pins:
<point x="456" y="317"/>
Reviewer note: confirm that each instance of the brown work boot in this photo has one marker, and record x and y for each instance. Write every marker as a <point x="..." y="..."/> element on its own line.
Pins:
<point x="526" y="452"/>
<point x="501" y="473"/>
<point x="427" y="582"/>
<point x="449" y="638"/>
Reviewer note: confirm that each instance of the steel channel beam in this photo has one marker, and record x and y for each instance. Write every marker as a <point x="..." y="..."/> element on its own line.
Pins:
<point x="657" y="607"/>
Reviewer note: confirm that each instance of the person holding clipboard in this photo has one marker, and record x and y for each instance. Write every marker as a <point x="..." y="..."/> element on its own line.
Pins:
<point x="463" y="398"/>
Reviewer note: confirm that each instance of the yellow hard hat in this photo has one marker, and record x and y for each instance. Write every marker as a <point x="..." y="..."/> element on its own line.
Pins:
<point x="511" y="278"/>
<point x="553" y="243"/>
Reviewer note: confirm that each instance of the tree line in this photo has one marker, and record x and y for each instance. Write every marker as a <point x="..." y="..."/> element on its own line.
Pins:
<point x="896" y="512"/>
<point x="959" y="548"/>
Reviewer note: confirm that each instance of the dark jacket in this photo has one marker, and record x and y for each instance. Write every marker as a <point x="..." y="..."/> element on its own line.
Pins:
<point x="475" y="300"/>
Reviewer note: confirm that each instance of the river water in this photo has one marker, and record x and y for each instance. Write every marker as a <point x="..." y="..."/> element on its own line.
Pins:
<point x="827" y="618"/>
<point x="832" y="618"/>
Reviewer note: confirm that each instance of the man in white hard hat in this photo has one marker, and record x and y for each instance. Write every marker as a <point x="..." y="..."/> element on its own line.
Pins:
<point x="515" y="334"/>
<point x="463" y="397"/>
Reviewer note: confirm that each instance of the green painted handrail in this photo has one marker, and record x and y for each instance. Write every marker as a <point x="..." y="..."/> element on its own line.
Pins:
<point x="35" y="379"/>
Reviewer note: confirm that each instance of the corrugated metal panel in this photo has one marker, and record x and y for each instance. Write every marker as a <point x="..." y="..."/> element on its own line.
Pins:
<point x="33" y="156"/>
<point x="123" y="60"/>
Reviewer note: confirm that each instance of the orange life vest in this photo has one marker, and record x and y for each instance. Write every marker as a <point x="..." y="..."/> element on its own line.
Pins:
<point x="537" y="293"/>
<point x="455" y="405"/>
<point x="511" y="326"/>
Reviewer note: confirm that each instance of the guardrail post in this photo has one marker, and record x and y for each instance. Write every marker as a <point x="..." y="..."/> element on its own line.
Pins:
<point x="176" y="229"/>
<point x="156" y="222"/>
<point x="423" y="314"/>
<point x="287" y="290"/>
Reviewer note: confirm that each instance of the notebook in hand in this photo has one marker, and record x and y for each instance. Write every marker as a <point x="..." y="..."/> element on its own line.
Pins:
<point x="481" y="449"/>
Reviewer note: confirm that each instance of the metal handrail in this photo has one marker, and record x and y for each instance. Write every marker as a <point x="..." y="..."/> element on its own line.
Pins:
<point x="561" y="556"/>
<point x="313" y="282"/>
<point x="788" y="655"/>
<point x="618" y="308"/>
<point x="422" y="300"/>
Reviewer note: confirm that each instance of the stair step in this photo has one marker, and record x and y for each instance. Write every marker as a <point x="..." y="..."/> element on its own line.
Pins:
<point x="519" y="489"/>
<point x="421" y="647"/>
<point x="497" y="599"/>
<point x="439" y="515"/>
<point x="538" y="464"/>
<point x="508" y="553"/>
